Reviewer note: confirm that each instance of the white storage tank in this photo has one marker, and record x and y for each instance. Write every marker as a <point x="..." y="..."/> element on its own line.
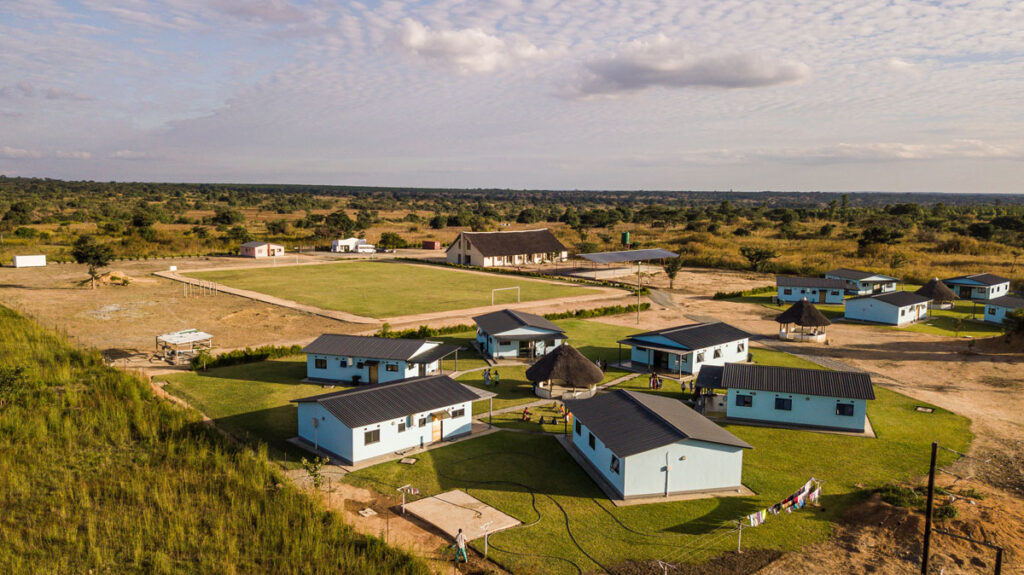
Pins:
<point x="30" y="261"/>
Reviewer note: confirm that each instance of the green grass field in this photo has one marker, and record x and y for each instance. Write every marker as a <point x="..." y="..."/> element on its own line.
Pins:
<point x="503" y="468"/>
<point x="387" y="289"/>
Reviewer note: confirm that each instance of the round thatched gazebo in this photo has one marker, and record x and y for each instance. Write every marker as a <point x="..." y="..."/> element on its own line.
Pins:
<point x="564" y="371"/>
<point x="802" y="315"/>
<point x="939" y="293"/>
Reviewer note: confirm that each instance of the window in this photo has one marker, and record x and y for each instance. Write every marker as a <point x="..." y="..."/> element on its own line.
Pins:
<point x="744" y="400"/>
<point x="343" y="362"/>
<point x="844" y="409"/>
<point x="371" y="437"/>
<point x="615" y="465"/>
<point x="700" y="357"/>
<point x="787" y="291"/>
<point x="320" y="363"/>
<point x="591" y="441"/>
<point x="579" y="428"/>
<point x="401" y="426"/>
<point x="423" y="421"/>
<point x="991" y="311"/>
<point x="391" y="367"/>
<point x="740" y="347"/>
<point x="717" y="353"/>
<point x="360" y="365"/>
<point x="834" y="292"/>
<point x="504" y="342"/>
<point x="784" y="403"/>
<point x="459" y="412"/>
<point x="549" y="343"/>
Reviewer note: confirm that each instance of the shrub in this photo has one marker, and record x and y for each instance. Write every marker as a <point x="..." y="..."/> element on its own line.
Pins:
<point x="205" y="361"/>
<point x="901" y="496"/>
<point x="743" y="293"/>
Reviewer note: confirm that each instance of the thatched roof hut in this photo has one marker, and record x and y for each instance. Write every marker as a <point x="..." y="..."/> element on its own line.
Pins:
<point x="566" y="364"/>
<point x="936" y="291"/>
<point x="804" y="314"/>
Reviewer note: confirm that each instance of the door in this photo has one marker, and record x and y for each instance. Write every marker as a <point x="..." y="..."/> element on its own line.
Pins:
<point x="438" y="430"/>
<point x="423" y="369"/>
<point x="373" y="373"/>
<point x="525" y="349"/>
<point x="821" y="295"/>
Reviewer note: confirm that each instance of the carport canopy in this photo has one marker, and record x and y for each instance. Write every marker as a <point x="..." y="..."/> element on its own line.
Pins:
<point x="629" y="256"/>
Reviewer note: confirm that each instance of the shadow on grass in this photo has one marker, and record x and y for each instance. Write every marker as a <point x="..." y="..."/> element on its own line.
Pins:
<point x="267" y="371"/>
<point x="272" y="426"/>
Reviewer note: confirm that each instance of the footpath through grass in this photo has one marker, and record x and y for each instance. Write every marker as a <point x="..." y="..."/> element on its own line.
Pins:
<point x="387" y="289"/>
<point x="100" y="476"/>
<point x="502" y="469"/>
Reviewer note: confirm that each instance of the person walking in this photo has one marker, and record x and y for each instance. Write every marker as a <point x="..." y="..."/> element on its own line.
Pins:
<point x="496" y="377"/>
<point x="487" y="377"/>
<point x="460" y="548"/>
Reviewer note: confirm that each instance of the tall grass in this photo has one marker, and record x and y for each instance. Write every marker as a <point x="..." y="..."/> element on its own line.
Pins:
<point x="99" y="475"/>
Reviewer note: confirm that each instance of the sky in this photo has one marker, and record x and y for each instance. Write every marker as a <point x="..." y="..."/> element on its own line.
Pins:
<point x="834" y="95"/>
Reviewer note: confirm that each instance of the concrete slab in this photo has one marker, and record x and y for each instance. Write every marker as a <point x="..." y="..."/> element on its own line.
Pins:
<point x="456" y="509"/>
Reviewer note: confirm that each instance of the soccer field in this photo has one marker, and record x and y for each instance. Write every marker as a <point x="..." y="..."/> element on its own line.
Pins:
<point x="387" y="289"/>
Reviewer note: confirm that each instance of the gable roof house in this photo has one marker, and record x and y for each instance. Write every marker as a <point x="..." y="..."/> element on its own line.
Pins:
<point x="997" y="309"/>
<point x="642" y="445"/>
<point x="512" y="248"/>
<point x="260" y="250"/>
<point x="814" y="398"/>
<point x="684" y="349"/>
<point x="979" y="286"/>
<point x="364" y="359"/>
<point x="817" y="290"/>
<point x="361" y="423"/>
<point x="516" y="334"/>
<point x="896" y="308"/>
<point x="860" y="282"/>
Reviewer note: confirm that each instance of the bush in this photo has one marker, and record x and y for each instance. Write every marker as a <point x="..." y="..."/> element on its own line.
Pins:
<point x="204" y="360"/>
<point x="901" y="496"/>
<point x="743" y="293"/>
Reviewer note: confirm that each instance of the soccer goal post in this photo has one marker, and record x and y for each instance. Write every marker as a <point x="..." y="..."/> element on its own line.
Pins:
<point x="518" y="299"/>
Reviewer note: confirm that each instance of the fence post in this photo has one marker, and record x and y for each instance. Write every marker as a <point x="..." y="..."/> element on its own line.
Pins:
<point x="928" y="511"/>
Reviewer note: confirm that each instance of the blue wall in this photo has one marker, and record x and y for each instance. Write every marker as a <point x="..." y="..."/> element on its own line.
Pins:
<point x="335" y="372"/>
<point x="996" y="313"/>
<point x="813" y="410"/>
<point x="600" y="456"/>
<point x="979" y="291"/>
<point x="491" y="343"/>
<point x="335" y="437"/>
<point x="834" y="296"/>
<point x="732" y="352"/>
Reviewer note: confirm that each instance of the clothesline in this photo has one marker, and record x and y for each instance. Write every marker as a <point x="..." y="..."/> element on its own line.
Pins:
<point x="808" y="493"/>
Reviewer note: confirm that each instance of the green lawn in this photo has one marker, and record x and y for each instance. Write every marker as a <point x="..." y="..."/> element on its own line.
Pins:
<point x="502" y="469"/>
<point x="831" y="311"/>
<point x="251" y="401"/>
<point x="387" y="289"/>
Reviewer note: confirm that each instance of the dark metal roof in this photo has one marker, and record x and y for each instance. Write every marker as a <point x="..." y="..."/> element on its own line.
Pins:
<point x="771" y="378"/>
<point x="1007" y="301"/>
<point x="983" y="279"/>
<point x="825" y="283"/>
<point x="936" y="290"/>
<point x="567" y="364"/>
<point x="896" y="298"/>
<point x="629" y="256"/>
<point x="629" y="422"/>
<point x="513" y="243"/>
<point x="507" y="320"/>
<point x="359" y="406"/>
<point x="804" y="314"/>
<point x="696" y="336"/>
<point x="374" y="347"/>
<point x="858" y="275"/>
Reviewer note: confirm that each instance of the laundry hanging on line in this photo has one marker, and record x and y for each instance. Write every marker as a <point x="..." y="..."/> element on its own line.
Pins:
<point x="809" y="492"/>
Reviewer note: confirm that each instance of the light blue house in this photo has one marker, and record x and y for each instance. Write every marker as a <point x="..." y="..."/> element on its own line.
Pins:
<point x="997" y="309"/>
<point x="815" y="290"/>
<point x="896" y="308"/>
<point x="816" y="398"/>
<point x="684" y="349"/>
<point x="362" y="359"/>
<point x="642" y="445"/>
<point x="862" y="283"/>
<point x="979" y="286"/>
<point x="361" y="423"/>
<point x="516" y="334"/>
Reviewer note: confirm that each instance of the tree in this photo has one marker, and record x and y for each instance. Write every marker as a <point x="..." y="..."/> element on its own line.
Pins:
<point x="95" y="255"/>
<point x="314" y="469"/>
<point x="897" y="260"/>
<point x="759" y="258"/>
<point x="391" y="241"/>
<point x="672" y="267"/>
<point x="879" y="235"/>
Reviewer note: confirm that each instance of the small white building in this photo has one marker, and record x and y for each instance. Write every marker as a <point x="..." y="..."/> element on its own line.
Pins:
<point x="365" y="359"/>
<point x="38" y="261"/>
<point x="684" y="349"/>
<point x="512" y="248"/>
<point x="352" y="245"/>
<point x="860" y="282"/>
<point x="896" y="308"/>
<point x="361" y="423"/>
<point x="516" y="334"/>
<point x="997" y="309"/>
<point x="643" y="445"/>
<point x="815" y="290"/>
<point x="979" y="286"/>
<point x="260" y="250"/>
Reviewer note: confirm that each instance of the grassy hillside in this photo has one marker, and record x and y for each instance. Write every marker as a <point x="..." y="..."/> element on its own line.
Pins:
<point x="98" y="475"/>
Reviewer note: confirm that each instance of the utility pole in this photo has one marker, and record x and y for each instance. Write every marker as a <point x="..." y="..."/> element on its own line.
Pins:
<point x="928" y="511"/>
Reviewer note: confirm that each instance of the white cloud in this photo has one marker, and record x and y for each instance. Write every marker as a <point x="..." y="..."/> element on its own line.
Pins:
<point x="470" y="50"/>
<point x="660" y="61"/>
<point x="900" y="66"/>
<point x="19" y="153"/>
<point x="73" y="155"/>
